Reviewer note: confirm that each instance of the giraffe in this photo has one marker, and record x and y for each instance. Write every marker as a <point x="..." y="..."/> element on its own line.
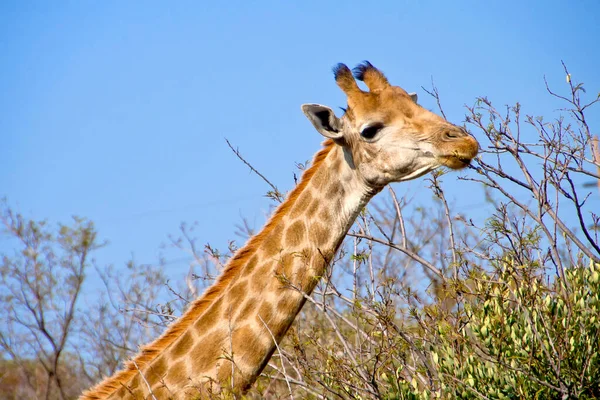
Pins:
<point x="227" y="336"/>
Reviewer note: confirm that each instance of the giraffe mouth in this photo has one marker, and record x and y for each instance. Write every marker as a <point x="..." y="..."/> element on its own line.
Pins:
<point x="455" y="161"/>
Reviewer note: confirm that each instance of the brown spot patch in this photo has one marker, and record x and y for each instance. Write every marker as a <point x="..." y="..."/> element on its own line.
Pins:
<point x="160" y="391"/>
<point x="336" y="164"/>
<point x="295" y="234"/>
<point x="319" y="234"/>
<point x="273" y="242"/>
<point x="182" y="345"/>
<point x="159" y="367"/>
<point x="135" y="382"/>
<point x="248" y="346"/>
<point x="288" y="301"/>
<point x="251" y="264"/>
<point x="300" y="204"/>
<point x="242" y="336"/>
<point x="211" y="316"/>
<point x="178" y="372"/>
<point x="122" y="393"/>
<point x="264" y="272"/>
<point x="326" y="216"/>
<point x="311" y="211"/>
<point x="320" y="179"/>
<point x="238" y="291"/>
<point x="205" y="354"/>
<point x="285" y="265"/>
<point x="248" y="308"/>
<point x="334" y="190"/>
<point x="224" y="375"/>
<point x="266" y="312"/>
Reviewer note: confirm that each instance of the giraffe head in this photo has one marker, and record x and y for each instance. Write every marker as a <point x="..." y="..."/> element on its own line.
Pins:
<point x="389" y="137"/>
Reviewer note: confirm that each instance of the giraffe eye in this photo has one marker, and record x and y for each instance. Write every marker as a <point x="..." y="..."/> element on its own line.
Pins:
<point x="370" y="131"/>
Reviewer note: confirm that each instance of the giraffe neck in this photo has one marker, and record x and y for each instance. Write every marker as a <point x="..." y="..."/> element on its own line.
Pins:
<point x="227" y="336"/>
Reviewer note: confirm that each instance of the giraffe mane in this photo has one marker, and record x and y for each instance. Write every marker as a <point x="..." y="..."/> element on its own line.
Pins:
<point x="149" y="352"/>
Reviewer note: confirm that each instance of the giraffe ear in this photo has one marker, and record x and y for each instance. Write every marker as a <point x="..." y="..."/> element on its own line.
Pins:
<point x="324" y="120"/>
<point x="414" y="97"/>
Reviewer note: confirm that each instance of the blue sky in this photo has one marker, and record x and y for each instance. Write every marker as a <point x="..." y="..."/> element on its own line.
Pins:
<point x="117" y="111"/>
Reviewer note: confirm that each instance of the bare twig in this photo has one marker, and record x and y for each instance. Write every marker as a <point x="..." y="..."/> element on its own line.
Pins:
<point x="275" y="193"/>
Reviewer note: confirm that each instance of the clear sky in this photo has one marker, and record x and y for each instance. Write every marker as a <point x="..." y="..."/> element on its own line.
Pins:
<point x="118" y="110"/>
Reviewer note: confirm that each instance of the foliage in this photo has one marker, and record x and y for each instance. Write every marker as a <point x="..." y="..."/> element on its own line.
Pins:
<point x="521" y="338"/>
<point x="54" y="339"/>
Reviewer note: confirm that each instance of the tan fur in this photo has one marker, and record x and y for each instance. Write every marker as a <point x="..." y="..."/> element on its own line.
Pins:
<point x="375" y="80"/>
<point x="346" y="82"/>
